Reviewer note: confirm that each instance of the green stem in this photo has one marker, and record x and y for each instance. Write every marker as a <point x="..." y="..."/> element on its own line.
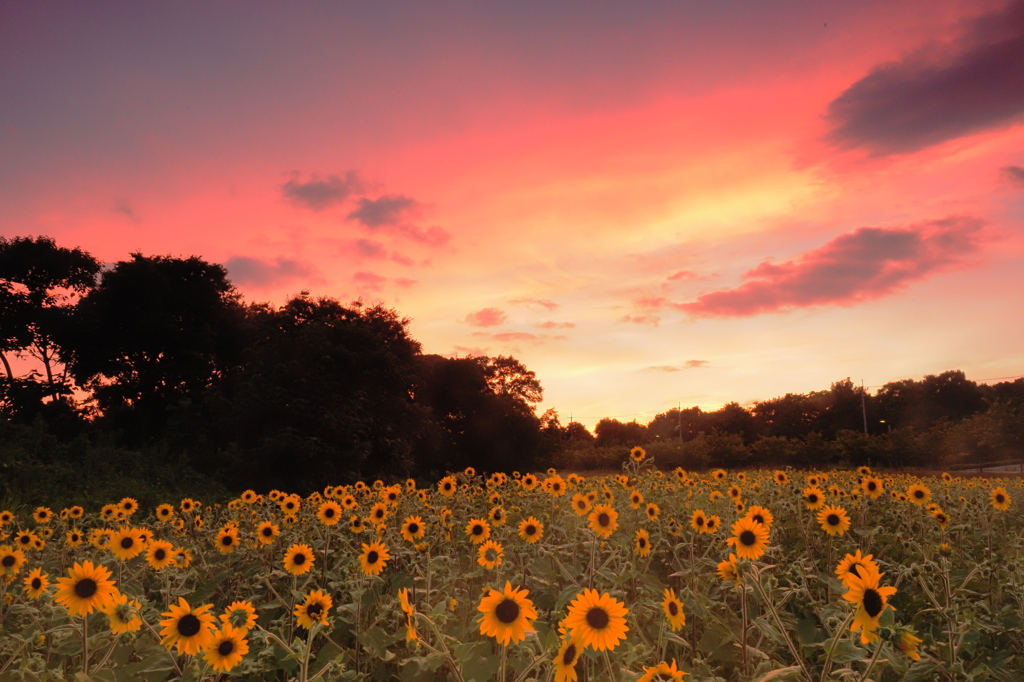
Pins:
<point x="832" y="648"/>
<point x="85" y="645"/>
<point x="871" y="663"/>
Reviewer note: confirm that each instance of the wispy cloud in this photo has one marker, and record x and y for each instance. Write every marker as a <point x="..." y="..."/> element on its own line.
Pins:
<point x="689" y="364"/>
<point x="938" y="94"/>
<point x="868" y="263"/>
<point x="390" y="209"/>
<point x="550" y="324"/>
<point x="318" y="193"/>
<point x="650" y="320"/>
<point x="534" y="303"/>
<point x="486" y="317"/>
<point x="124" y="207"/>
<point x="369" y="280"/>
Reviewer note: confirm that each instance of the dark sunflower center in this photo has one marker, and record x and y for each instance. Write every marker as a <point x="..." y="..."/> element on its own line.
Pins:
<point x="531" y="530"/>
<point x="597" y="618"/>
<point x="1000" y="499"/>
<point x="507" y="611"/>
<point x="673" y="608"/>
<point x="699" y="520"/>
<point x="299" y="559"/>
<point x="226" y="647"/>
<point x="85" y="588"/>
<point x="226" y="540"/>
<point x="414" y="528"/>
<point x="372" y="557"/>
<point x="642" y="542"/>
<point x="872" y="486"/>
<point x="748" y="538"/>
<point x="832" y="519"/>
<point x="329" y="512"/>
<point x="853" y="569"/>
<point x="478" y="529"/>
<point x="314" y="610"/>
<point x="872" y="602"/>
<point x="188" y="625"/>
<point x="36" y="583"/>
<point x="8" y="560"/>
<point x="812" y="498"/>
<point x="603" y="519"/>
<point x="25" y="540"/>
<point x="556" y="487"/>
<point x="160" y="554"/>
<point x="268" y="531"/>
<point x="919" y="494"/>
<point x="758" y="518"/>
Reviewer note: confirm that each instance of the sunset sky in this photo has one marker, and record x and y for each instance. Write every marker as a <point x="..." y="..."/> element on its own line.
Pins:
<point x="649" y="204"/>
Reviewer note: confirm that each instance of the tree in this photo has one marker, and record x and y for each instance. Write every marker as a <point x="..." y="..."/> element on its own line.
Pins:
<point x="323" y="393"/>
<point x="39" y="283"/>
<point x="613" y="432"/>
<point x="153" y="336"/>
<point x="508" y="377"/>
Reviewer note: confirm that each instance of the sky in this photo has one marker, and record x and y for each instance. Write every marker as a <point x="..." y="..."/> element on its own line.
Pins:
<point x="649" y="204"/>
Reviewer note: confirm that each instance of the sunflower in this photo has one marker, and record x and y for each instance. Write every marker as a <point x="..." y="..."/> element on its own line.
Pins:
<point x="653" y="511"/>
<point x="123" y="614"/>
<point x="299" y="559"/>
<point x="853" y="565"/>
<point x="566" y="659"/>
<point x="189" y="505"/>
<point x="42" y="515"/>
<point x="1000" y="499"/>
<point x="313" y="609"/>
<point x="6" y="516"/>
<point x="673" y="610"/>
<point x="165" y="513"/>
<point x="734" y="492"/>
<point x="907" y="643"/>
<point x="506" y="614"/>
<point x="642" y="543"/>
<point x="227" y="539"/>
<point x="329" y="513"/>
<point x="727" y="570"/>
<point x="378" y="512"/>
<point x="580" y="504"/>
<point x="762" y="516"/>
<point x="374" y="557"/>
<point x="712" y="524"/>
<point x="603" y="520"/>
<point x="490" y="555"/>
<point x="267" y="532"/>
<point x="25" y="539"/>
<point x="637" y="454"/>
<point x="662" y="672"/>
<point x="870" y="599"/>
<point x="413" y="529"/>
<point x="919" y="494"/>
<point x="128" y="506"/>
<point x="531" y="530"/>
<point x="597" y="619"/>
<point x="749" y="538"/>
<point x="554" y="485"/>
<point x="698" y="520"/>
<point x="635" y="499"/>
<point x="872" y="487"/>
<point x="226" y="648"/>
<point x="719" y="474"/>
<point x="160" y="554"/>
<point x="240" y="615"/>
<point x="73" y="538"/>
<point x="780" y="477"/>
<point x="189" y="629"/>
<point x="36" y="583"/>
<point x="478" y="530"/>
<point x="941" y="518"/>
<point x="813" y="498"/>
<point x="349" y="502"/>
<point x="447" y="486"/>
<point x="497" y="515"/>
<point x="11" y="560"/>
<point x="86" y="589"/>
<point x="833" y="519"/>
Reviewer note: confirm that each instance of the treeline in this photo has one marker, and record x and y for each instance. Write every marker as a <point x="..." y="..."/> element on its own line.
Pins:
<point x="942" y="420"/>
<point x="156" y="364"/>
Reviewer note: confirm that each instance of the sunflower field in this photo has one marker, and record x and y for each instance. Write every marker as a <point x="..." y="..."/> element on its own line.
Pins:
<point x="642" y="575"/>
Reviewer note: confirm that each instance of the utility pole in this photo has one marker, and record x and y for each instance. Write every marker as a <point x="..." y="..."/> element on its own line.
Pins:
<point x="679" y="413"/>
<point x="863" y="408"/>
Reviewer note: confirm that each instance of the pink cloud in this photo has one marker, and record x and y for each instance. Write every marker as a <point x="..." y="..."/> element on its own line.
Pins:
<point x="651" y="302"/>
<point x="369" y="280"/>
<point x="865" y="264"/>
<point x="404" y="282"/>
<point x="402" y="260"/>
<point x="486" y="317"/>
<point x="683" y="275"/>
<point x="651" y="320"/>
<point x="515" y="336"/>
<point x="555" y="325"/>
